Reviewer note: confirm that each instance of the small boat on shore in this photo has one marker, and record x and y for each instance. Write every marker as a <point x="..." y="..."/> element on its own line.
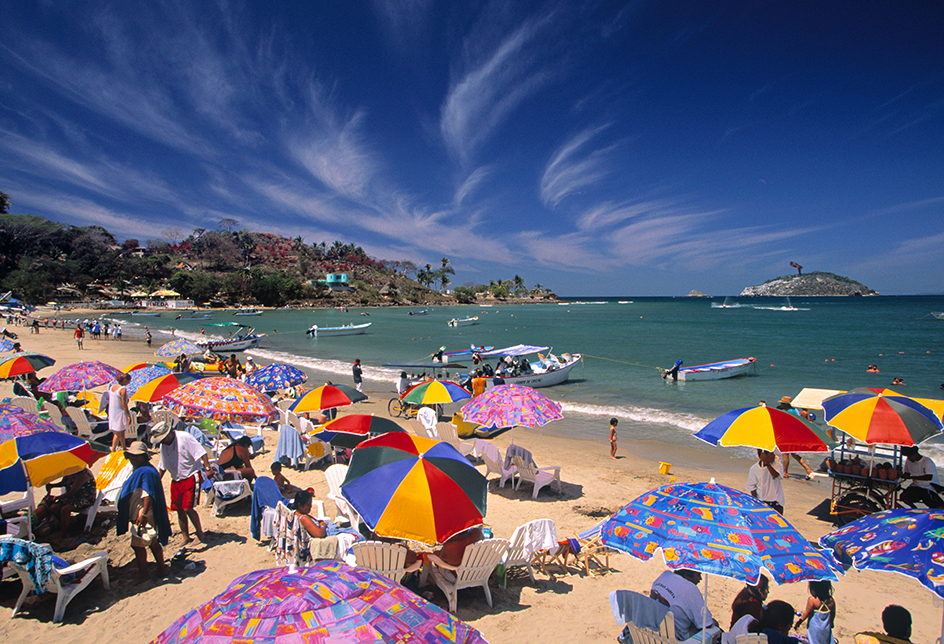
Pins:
<point x="718" y="370"/>
<point x="247" y="312"/>
<point x="347" y="329"/>
<point x="546" y="370"/>
<point x="145" y="315"/>
<point x="463" y="322"/>
<point x="244" y="339"/>
<point x="423" y="312"/>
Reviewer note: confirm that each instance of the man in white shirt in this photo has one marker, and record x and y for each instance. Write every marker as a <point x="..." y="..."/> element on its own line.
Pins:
<point x="923" y="474"/>
<point x="679" y="589"/>
<point x="184" y="457"/>
<point x="765" y="480"/>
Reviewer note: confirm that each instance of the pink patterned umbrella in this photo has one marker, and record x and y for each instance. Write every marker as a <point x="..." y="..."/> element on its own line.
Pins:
<point x="14" y="422"/>
<point x="327" y="602"/>
<point x="79" y="376"/>
<point x="512" y="406"/>
<point x="221" y="398"/>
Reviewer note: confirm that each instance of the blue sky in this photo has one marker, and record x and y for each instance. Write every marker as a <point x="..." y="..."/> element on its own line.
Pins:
<point x="644" y="148"/>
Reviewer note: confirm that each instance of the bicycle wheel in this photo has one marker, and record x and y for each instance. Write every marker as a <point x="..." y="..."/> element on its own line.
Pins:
<point x="395" y="407"/>
<point x="855" y="505"/>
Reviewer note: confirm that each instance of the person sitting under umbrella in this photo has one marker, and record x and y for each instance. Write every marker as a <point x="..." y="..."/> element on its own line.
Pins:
<point x="236" y="457"/>
<point x="750" y="601"/>
<point x="678" y="590"/>
<point x="896" y="620"/>
<point x="777" y="622"/>
<point x="79" y="494"/>
<point x="923" y="474"/>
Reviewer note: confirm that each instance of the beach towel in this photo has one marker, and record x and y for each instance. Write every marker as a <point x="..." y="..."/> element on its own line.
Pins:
<point x="291" y="447"/>
<point x="265" y="494"/>
<point x="36" y="558"/>
<point x="516" y="450"/>
<point x="147" y="479"/>
<point x="197" y="433"/>
<point x="234" y="432"/>
<point x="629" y="606"/>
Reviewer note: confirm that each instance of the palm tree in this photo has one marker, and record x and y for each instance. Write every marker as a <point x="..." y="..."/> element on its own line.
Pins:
<point x="444" y="273"/>
<point x="425" y="275"/>
<point x="518" y="282"/>
<point x="4" y="203"/>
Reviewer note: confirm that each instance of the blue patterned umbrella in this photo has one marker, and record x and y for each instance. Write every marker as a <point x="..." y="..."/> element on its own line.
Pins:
<point x="5" y="345"/>
<point x="140" y="377"/>
<point x="275" y="377"/>
<point x="718" y="530"/>
<point x="909" y="542"/>
<point x="174" y="348"/>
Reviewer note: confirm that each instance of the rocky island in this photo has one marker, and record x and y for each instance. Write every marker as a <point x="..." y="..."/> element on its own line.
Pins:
<point x="817" y="283"/>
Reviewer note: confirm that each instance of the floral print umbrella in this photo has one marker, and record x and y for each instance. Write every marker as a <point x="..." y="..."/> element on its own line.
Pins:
<point x="327" y="602"/>
<point x="79" y="376"/>
<point x="512" y="406"/>
<point x="14" y="422"/>
<point x="221" y="398"/>
<point x="174" y="348"/>
<point x="275" y="377"/>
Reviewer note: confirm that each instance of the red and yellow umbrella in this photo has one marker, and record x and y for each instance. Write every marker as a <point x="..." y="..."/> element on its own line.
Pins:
<point x="407" y="487"/>
<point x="765" y="428"/>
<point x="21" y="363"/>
<point x="876" y="418"/>
<point x="435" y="392"/>
<point x="155" y="390"/>
<point x="327" y="397"/>
<point x="46" y="456"/>
<point x="351" y="430"/>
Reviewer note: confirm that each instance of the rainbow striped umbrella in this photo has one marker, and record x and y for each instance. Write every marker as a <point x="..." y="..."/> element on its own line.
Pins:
<point x="142" y="365"/>
<point x="46" y="457"/>
<point x="407" y="487"/>
<point x="79" y="376"/>
<point x="349" y="431"/>
<point x="179" y="346"/>
<point x="21" y="363"/>
<point x="145" y="375"/>
<point x="328" y="601"/>
<point x="765" y="428"/>
<point x="435" y="392"/>
<point x="512" y="406"/>
<point x="327" y="397"/>
<point x="275" y="377"/>
<point x="876" y="418"/>
<point x="154" y="390"/>
<point x="221" y="398"/>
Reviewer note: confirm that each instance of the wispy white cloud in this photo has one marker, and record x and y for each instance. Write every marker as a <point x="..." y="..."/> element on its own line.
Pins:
<point x="402" y="20"/>
<point x="572" y="169"/>
<point x="471" y="182"/>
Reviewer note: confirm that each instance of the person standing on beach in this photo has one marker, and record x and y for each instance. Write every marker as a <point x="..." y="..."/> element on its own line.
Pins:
<point x="358" y="379"/>
<point x="119" y="414"/>
<point x="147" y="336"/>
<point x="613" y="423"/>
<point x="79" y="336"/>
<point x="765" y="480"/>
<point x="141" y="504"/>
<point x="183" y="456"/>
<point x="785" y="405"/>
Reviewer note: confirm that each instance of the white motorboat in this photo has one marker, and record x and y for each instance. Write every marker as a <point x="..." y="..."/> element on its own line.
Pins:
<point x="718" y="370"/>
<point x="247" y="312"/>
<point x="347" y="329"/>
<point x="135" y="314"/>
<point x="939" y="315"/>
<point x="787" y="307"/>
<point x="727" y="304"/>
<point x="463" y="322"/>
<point x="245" y="339"/>
<point x="545" y="371"/>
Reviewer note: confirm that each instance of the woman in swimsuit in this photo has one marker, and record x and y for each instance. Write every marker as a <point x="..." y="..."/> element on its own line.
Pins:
<point x="236" y="457"/>
<point x="79" y="494"/>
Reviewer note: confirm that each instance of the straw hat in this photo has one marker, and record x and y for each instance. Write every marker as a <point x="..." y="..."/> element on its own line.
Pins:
<point x="137" y="448"/>
<point x="786" y="400"/>
<point x="159" y="432"/>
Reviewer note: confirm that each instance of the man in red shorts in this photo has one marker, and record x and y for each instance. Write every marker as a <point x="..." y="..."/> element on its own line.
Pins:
<point x="184" y="457"/>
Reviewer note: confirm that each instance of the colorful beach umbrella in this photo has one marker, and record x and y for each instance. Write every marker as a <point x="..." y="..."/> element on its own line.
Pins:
<point x="6" y="345"/>
<point x="79" y="376"/>
<point x="15" y="422"/>
<point x="875" y="418"/>
<point x="718" y="530"/>
<point x="154" y="390"/>
<point x="935" y="405"/>
<point x="46" y="457"/>
<point x="766" y="428"/>
<point x="349" y="431"/>
<point x="512" y="406"/>
<point x="326" y="602"/>
<point x="142" y="365"/>
<point x="435" y="392"/>
<point x="327" y="397"/>
<point x="179" y="346"/>
<point x="221" y="398"/>
<point x="21" y="363"/>
<point x="908" y="542"/>
<point x="407" y="487"/>
<point x="276" y="376"/>
<point x="145" y="375"/>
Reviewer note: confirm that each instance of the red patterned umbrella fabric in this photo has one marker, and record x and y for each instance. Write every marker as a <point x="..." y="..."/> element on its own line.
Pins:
<point x="221" y="398"/>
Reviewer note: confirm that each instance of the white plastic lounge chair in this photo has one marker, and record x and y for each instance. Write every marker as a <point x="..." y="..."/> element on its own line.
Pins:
<point x="165" y="416"/>
<point x="527" y="541"/>
<point x="26" y="403"/>
<point x="624" y="602"/>
<point x="427" y="418"/>
<point x="387" y="559"/>
<point x="85" y="572"/>
<point x="113" y="474"/>
<point x="587" y="549"/>
<point x="224" y="493"/>
<point x="448" y="434"/>
<point x="495" y="466"/>
<point x="538" y="476"/>
<point x="478" y="563"/>
<point x="55" y="416"/>
<point x="334" y="475"/>
<point x="85" y="428"/>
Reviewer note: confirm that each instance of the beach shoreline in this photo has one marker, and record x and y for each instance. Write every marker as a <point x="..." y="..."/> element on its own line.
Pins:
<point x="593" y="484"/>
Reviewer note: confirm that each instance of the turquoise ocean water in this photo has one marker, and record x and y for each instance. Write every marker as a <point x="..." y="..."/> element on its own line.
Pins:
<point x="827" y="344"/>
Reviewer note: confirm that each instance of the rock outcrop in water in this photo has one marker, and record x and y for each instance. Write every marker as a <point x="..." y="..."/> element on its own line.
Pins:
<point x="811" y="284"/>
<point x="695" y="293"/>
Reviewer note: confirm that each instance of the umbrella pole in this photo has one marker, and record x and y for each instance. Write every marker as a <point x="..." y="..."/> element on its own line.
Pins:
<point x="941" y="639"/>
<point x="704" y="615"/>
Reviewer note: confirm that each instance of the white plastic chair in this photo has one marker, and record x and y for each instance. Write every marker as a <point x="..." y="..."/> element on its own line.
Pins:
<point x="427" y="418"/>
<point x="224" y="493"/>
<point x="528" y="540"/>
<point x="478" y="563"/>
<point x="334" y="476"/>
<point x="538" y="476"/>
<point x="84" y="426"/>
<point x="85" y="573"/>
<point x="449" y="434"/>
<point x="26" y="403"/>
<point x="387" y="559"/>
<point x="55" y="416"/>
<point x="494" y="466"/>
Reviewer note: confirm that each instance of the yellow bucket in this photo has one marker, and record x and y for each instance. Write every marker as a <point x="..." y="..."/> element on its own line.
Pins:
<point x="664" y="468"/>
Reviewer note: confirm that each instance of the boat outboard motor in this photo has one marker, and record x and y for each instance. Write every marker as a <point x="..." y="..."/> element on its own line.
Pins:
<point x="673" y="371"/>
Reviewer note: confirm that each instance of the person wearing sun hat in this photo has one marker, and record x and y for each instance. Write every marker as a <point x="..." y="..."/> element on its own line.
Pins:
<point x="141" y="507"/>
<point x="184" y="457"/>
<point x="786" y="405"/>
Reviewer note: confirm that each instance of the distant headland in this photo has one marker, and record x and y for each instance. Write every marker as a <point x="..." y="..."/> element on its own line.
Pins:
<point x="817" y="283"/>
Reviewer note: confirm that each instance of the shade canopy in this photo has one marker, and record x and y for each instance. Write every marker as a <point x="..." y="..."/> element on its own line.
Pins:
<point x="22" y="363"/>
<point x="765" y="428"/>
<point x="327" y="397"/>
<point x="81" y="375"/>
<point x="221" y="398"/>
<point x="435" y="392"/>
<point x="512" y="406"/>
<point x="876" y="418"/>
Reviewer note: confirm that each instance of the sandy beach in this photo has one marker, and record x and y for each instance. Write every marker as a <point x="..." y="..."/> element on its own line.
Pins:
<point x="569" y="608"/>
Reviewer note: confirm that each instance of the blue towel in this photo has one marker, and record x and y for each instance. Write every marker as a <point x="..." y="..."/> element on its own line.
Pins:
<point x="629" y="606"/>
<point x="35" y="558"/>
<point x="146" y="478"/>
<point x="265" y="494"/>
<point x="291" y="446"/>
<point x="200" y="436"/>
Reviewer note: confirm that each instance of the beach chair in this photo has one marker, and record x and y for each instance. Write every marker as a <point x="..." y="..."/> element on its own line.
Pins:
<point x="755" y="638"/>
<point x="114" y="472"/>
<point x="493" y="465"/>
<point x="334" y="476"/>
<point x="588" y="551"/>
<point x="287" y="548"/>
<point x="66" y="582"/>
<point x="387" y="559"/>
<point x="427" y="418"/>
<point x="165" y="416"/>
<point x="642" y="620"/>
<point x="55" y="416"/>
<point x="448" y="434"/>
<point x="86" y="429"/>
<point x="224" y="493"/>
<point x="26" y="403"/>
<point x="527" y="541"/>
<point x="478" y="563"/>
<point x="538" y="476"/>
